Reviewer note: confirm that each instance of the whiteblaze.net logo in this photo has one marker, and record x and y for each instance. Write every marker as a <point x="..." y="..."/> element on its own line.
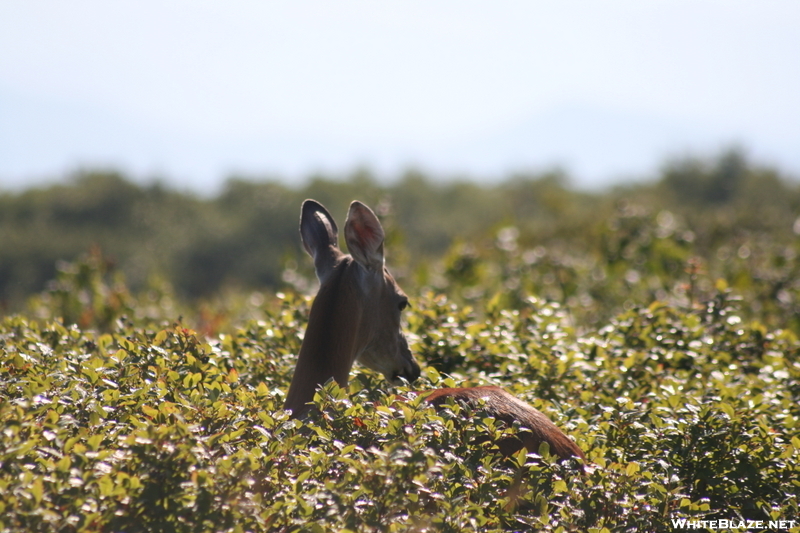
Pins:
<point x="749" y="525"/>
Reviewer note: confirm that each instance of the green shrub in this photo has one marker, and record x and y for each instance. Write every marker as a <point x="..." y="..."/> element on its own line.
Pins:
<point x="130" y="422"/>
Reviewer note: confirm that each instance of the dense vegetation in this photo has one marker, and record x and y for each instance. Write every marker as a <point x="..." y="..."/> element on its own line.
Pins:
<point x="593" y="252"/>
<point x="657" y="325"/>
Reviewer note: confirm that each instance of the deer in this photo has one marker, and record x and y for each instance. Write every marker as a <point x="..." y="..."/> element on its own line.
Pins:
<point x="356" y="316"/>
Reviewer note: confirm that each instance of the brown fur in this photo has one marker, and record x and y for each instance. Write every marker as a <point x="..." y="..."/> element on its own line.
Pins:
<point x="508" y="408"/>
<point x="329" y="344"/>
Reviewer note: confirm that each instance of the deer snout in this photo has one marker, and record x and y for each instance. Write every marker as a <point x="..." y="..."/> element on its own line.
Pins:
<point x="410" y="372"/>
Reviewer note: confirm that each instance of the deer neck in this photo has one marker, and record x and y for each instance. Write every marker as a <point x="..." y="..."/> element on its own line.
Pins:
<point x="330" y="344"/>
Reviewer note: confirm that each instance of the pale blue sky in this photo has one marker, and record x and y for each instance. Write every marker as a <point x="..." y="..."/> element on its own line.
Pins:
<point x="193" y="90"/>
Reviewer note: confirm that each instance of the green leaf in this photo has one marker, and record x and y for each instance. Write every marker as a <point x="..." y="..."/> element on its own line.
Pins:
<point x="37" y="490"/>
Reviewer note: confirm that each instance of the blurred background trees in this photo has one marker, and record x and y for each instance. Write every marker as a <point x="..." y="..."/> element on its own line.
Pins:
<point x="700" y="224"/>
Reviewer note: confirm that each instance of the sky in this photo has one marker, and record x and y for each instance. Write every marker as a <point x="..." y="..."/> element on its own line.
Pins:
<point x="192" y="92"/>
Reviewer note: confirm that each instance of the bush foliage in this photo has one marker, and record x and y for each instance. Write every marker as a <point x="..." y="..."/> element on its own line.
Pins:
<point x="133" y="423"/>
<point x="664" y="342"/>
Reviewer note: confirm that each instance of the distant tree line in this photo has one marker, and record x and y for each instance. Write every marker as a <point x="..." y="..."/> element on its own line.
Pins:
<point x="246" y="237"/>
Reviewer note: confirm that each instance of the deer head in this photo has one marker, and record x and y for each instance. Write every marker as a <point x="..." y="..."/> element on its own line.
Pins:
<point x="356" y="313"/>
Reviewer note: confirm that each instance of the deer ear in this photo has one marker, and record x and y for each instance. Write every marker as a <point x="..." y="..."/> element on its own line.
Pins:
<point x="364" y="236"/>
<point x="320" y="236"/>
